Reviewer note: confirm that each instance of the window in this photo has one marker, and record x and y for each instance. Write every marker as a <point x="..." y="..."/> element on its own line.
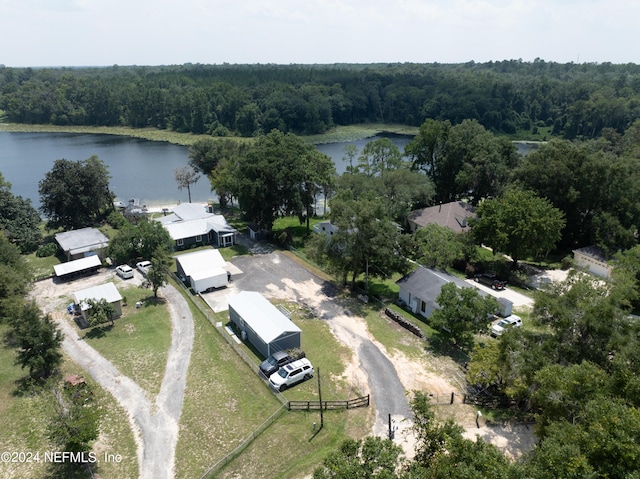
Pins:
<point x="198" y="238"/>
<point x="180" y="242"/>
<point x="423" y="306"/>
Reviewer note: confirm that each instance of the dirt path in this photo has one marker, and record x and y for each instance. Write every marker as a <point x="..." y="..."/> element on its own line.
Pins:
<point x="154" y="421"/>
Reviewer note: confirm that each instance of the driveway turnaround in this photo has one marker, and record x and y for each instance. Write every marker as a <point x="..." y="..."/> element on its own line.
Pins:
<point x="153" y="420"/>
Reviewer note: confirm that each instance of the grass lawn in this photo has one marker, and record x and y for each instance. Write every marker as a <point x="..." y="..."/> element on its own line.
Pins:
<point x="24" y="416"/>
<point x="138" y="343"/>
<point x="226" y="401"/>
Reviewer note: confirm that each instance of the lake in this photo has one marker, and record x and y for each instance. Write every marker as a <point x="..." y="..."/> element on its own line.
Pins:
<point x="139" y="168"/>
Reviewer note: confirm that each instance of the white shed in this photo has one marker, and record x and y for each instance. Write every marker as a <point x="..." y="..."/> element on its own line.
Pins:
<point x="203" y="269"/>
<point x="106" y="291"/>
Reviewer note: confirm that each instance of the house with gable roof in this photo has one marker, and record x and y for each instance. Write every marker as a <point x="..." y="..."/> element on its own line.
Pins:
<point x="192" y="224"/>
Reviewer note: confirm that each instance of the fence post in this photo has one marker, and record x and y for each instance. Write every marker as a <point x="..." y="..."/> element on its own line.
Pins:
<point x="452" y="395"/>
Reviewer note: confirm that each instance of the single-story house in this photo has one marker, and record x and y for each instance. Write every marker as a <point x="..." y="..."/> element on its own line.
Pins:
<point x="76" y="267"/>
<point x="420" y="289"/>
<point x="203" y="269"/>
<point x="83" y="242"/>
<point x="107" y="291"/>
<point x="454" y="215"/>
<point x="264" y="325"/>
<point x="593" y="260"/>
<point x="192" y="223"/>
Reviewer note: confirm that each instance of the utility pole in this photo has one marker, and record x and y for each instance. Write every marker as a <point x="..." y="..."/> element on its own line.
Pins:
<point x="320" y="396"/>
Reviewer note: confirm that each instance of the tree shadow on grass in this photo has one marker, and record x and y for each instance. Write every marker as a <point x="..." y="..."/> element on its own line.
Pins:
<point x="440" y="344"/>
<point x="28" y="385"/>
<point x="71" y="470"/>
<point x="98" y="331"/>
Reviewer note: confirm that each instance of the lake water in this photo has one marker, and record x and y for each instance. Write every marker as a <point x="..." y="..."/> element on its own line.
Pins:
<point x="139" y="168"/>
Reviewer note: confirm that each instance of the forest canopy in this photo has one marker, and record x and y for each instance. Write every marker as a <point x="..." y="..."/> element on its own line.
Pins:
<point x="529" y="98"/>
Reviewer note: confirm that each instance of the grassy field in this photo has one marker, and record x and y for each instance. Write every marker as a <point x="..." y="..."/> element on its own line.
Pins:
<point x="25" y="413"/>
<point x="226" y="401"/>
<point x="337" y="134"/>
<point x="138" y="342"/>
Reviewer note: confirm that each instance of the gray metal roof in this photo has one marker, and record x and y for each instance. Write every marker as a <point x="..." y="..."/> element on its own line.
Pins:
<point x="262" y="316"/>
<point x="82" y="240"/>
<point x="107" y="291"/>
<point x="425" y="283"/>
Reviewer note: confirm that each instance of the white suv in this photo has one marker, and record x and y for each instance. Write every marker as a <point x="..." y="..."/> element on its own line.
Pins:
<point x="512" y="321"/>
<point x="124" y="271"/>
<point x="290" y="374"/>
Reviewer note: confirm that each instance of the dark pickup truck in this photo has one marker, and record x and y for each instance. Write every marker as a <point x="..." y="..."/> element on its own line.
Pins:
<point x="279" y="359"/>
<point x="491" y="280"/>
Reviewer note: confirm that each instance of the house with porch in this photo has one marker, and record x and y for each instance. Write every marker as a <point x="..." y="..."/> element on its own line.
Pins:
<point x="193" y="224"/>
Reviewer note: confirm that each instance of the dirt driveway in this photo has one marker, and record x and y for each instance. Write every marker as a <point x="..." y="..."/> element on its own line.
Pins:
<point x="278" y="276"/>
<point x="154" y="420"/>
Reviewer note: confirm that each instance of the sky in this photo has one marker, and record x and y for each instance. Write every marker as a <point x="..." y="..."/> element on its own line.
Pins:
<point x="168" y="32"/>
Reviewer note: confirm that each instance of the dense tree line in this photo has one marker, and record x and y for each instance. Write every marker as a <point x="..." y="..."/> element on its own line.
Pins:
<point x="570" y="100"/>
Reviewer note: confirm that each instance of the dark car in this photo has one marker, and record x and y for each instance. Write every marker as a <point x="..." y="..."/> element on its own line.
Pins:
<point x="277" y="360"/>
<point x="490" y="279"/>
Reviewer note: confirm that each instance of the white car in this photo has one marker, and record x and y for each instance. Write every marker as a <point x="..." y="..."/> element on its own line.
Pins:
<point x="124" y="271"/>
<point x="512" y="321"/>
<point x="290" y="374"/>
<point x="143" y="267"/>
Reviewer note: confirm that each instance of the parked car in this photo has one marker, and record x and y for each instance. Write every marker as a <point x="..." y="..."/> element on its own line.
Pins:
<point x="290" y="374"/>
<point x="124" y="271"/>
<point x="277" y="360"/>
<point x="512" y="321"/>
<point x="490" y="279"/>
<point x="143" y="267"/>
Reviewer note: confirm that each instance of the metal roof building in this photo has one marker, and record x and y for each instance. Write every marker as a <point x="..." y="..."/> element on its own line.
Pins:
<point x="77" y="243"/>
<point x="259" y="321"/>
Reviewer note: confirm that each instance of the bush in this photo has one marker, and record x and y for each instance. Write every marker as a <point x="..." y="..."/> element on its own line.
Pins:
<point x="116" y="220"/>
<point x="46" y="250"/>
<point x="566" y="262"/>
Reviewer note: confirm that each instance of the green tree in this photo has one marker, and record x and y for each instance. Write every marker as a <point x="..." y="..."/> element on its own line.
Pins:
<point x="18" y="219"/>
<point x="75" y="421"/>
<point x="379" y="156"/>
<point x="15" y="279"/>
<point x="439" y="247"/>
<point x="75" y="194"/>
<point x="366" y="241"/>
<point x="519" y="224"/>
<point x="38" y="340"/>
<point x="371" y="458"/>
<point x="185" y="177"/>
<point x="463" y="312"/>
<point x="100" y="312"/>
<point x="278" y="176"/>
<point x="158" y="274"/>
<point x="139" y="241"/>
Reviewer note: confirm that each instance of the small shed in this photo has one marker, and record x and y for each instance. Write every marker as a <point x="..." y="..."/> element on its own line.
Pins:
<point x="203" y="269"/>
<point x="77" y="244"/>
<point x="264" y="325"/>
<point x="106" y="291"/>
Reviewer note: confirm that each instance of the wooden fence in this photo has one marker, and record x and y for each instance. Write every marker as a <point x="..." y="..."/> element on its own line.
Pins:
<point x="347" y="404"/>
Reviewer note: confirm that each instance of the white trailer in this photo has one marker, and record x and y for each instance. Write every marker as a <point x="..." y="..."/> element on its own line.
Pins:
<point x="210" y="279"/>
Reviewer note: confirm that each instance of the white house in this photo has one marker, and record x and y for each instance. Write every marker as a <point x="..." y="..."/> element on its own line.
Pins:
<point x="593" y="260"/>
<point x="420" y="289"/>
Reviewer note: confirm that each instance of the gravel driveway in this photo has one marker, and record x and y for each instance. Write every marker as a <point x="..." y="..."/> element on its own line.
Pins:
<point x="154" y="421"/>
<point x="276" y="275"/>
